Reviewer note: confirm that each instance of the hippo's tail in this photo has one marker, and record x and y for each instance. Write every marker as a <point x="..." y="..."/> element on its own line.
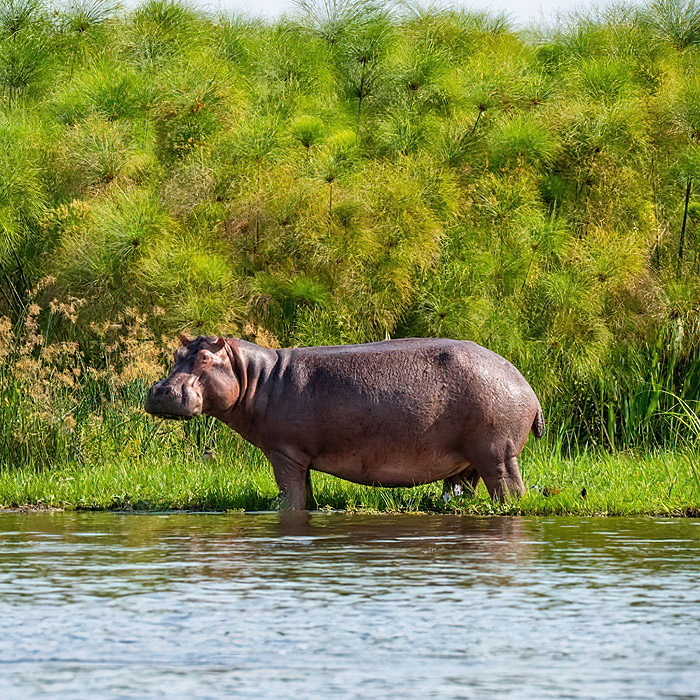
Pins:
<point x="538" y="423"/>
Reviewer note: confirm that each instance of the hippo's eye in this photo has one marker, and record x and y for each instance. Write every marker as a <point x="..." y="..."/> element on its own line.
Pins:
<point x="206" y="358"/>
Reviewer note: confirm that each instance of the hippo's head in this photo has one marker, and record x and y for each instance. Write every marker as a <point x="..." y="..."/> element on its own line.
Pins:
<point x="203" y="381"/>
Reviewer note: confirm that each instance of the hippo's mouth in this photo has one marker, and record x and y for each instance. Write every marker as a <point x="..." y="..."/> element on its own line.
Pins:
<point x="173" y="416"/>
<point x="173" y="402"/>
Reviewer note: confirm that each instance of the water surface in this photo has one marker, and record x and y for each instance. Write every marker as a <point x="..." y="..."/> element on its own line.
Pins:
<point x="248" y="606"/>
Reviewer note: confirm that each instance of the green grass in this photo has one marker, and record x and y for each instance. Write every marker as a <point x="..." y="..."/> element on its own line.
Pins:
<point x="616" y="484"/>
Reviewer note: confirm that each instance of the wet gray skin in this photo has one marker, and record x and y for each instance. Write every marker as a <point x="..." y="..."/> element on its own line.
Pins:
<point x="396" y="413"/>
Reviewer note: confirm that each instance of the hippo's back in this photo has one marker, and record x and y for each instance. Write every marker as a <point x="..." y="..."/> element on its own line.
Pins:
<point x="398" y="361"/>
<point x="415" y="380"/>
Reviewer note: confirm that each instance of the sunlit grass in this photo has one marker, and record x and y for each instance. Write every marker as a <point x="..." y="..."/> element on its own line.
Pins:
<point x="589" y="484"/>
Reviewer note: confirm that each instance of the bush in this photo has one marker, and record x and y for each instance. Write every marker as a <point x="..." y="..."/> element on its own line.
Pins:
<point x="356" y="173"/>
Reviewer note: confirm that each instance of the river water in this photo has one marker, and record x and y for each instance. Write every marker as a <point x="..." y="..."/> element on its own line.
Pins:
<point x="103" y="605"/>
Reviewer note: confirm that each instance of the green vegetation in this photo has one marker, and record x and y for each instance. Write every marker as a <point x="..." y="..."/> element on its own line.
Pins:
<point x="620" y="484"/>
<point x="347" y="175"/>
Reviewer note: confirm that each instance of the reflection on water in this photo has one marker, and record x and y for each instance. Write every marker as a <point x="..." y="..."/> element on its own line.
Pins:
<point x="258" y="606"/>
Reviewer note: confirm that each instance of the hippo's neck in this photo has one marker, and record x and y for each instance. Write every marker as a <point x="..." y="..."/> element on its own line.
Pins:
<point x="255" y="366"/>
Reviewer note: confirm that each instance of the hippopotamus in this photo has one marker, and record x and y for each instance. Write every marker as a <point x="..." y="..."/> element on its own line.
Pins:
<point x="393" y="413"/>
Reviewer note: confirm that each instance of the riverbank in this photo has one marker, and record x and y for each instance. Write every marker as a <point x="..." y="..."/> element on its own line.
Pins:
<point x="601" y="484"/>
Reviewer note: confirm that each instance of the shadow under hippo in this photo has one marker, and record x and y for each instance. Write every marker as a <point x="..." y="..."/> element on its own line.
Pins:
<point x="394" y="413"/>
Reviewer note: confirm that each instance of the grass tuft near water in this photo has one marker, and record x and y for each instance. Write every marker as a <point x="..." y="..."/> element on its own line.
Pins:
<point x="590" y="484"/>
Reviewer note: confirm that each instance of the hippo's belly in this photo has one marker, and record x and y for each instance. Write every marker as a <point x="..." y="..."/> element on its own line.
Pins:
<point x="399" y="468"/>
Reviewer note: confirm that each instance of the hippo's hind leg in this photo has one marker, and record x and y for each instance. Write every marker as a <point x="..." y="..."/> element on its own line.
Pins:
<point x="311" y="503"/>
<point x="501" y="474"/>
<point x="292" y="477"/>
<point x="470" y="480"/>
<point x="464" y="483"/>
<point x="514" y="480"/>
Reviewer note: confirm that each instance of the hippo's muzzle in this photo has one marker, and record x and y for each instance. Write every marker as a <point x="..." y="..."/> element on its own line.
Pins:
<point x="168" y="401"/>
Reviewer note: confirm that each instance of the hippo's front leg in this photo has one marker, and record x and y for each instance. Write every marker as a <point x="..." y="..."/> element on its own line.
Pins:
<point x="292" y="477"/>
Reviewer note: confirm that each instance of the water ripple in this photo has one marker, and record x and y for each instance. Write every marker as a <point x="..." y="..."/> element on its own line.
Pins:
<point x="348" y="607"/>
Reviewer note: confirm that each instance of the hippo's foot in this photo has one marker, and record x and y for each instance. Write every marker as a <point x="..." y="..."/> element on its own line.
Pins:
<point x="502" y="478"/>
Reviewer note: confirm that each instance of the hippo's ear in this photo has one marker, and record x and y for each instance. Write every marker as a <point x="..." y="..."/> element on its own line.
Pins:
<point x="219" y="343"/>
<point x="185" y="340"/>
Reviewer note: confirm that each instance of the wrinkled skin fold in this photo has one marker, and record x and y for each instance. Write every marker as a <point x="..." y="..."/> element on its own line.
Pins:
<point x="395" y="413"/>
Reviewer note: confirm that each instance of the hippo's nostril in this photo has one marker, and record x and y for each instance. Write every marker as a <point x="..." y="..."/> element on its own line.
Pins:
<point x="169" y="391"/>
